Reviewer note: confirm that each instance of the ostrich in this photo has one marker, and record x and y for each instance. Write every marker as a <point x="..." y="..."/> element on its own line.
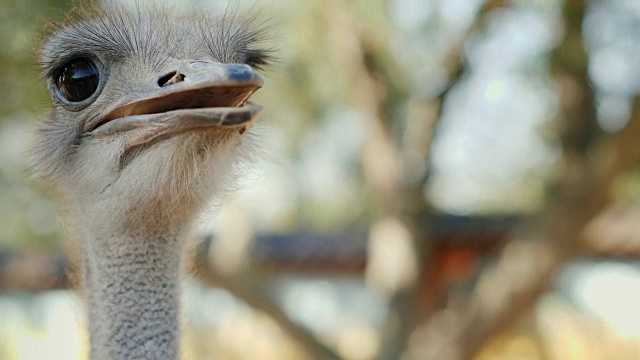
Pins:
<point x="150" y="115"/>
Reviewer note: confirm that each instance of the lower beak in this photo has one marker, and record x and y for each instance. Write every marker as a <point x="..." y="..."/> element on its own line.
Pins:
<point x="199" y="95"/>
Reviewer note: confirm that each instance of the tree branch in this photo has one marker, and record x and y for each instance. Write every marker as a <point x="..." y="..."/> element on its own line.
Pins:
<point x="255" y="297"/>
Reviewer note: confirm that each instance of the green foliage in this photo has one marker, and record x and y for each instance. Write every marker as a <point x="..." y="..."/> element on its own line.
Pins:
<point x="26" y="219"/>
<point x="20" y="23"/>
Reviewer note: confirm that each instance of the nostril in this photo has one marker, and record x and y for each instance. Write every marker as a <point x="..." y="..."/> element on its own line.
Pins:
<point x="173" y="77"/>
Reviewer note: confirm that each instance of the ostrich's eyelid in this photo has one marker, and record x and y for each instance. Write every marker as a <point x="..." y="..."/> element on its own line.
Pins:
<point x="50" y="65"/>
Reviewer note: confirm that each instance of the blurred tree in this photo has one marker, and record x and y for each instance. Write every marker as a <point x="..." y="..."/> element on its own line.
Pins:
<point x="590" y="164"/>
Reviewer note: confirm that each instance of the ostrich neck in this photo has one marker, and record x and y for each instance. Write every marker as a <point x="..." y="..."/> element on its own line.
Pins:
<point x="132" y="287"/>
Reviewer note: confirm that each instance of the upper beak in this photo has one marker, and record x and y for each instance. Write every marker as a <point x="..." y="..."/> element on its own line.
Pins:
<point x="197" y="95"/>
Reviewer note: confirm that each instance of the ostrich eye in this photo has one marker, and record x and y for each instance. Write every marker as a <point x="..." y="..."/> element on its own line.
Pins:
<point x="78" y="79"/>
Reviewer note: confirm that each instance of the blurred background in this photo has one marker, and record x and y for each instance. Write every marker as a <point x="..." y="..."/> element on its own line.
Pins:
<point x="437" y="179"/>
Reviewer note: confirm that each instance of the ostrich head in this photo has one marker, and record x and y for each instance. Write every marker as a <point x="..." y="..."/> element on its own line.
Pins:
<point x="150" y="112"/>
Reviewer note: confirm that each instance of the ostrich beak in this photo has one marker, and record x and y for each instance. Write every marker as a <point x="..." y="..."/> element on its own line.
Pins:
<point x="199" y="95"/>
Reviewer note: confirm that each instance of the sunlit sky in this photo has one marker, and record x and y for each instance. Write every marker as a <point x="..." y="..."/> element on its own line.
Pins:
<point x="489" y="154"/>
<point x="493" y="152"/>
